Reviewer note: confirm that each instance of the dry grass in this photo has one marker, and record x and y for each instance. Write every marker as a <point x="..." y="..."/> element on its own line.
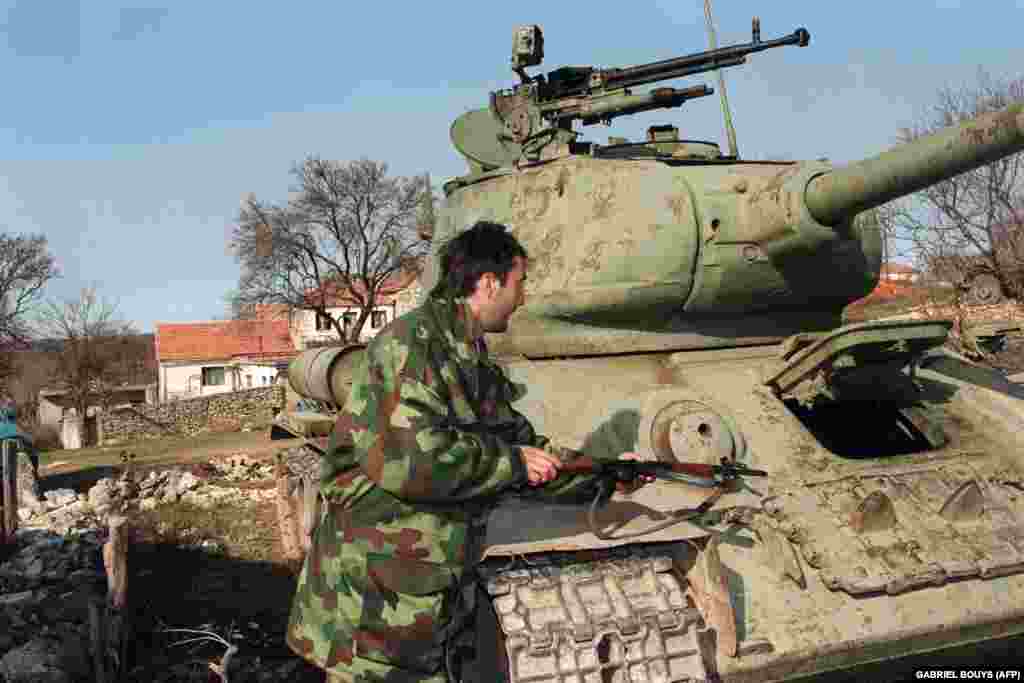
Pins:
<point x="233" y="531"/>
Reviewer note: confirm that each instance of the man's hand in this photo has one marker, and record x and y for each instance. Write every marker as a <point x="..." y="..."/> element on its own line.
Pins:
<point x="622" y="487"/>
<point x="541" y="466"/>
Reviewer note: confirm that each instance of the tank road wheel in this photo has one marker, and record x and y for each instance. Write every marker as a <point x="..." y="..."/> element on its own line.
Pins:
<point x="984" y="290"/>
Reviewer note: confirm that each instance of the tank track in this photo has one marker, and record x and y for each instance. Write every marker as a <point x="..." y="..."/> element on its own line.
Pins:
<point x="613" y="618"/>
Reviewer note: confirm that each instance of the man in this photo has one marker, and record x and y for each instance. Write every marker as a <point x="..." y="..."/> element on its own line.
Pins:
<point x="426" y="439"/>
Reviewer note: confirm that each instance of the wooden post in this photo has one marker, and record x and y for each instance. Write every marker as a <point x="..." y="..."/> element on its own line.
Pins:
<point x="109" y="622"/>
<point x="288" y="515"/>
<point x="8" y="491"/>
<point x="310" y="511"/>
<point x="115" y="561"/>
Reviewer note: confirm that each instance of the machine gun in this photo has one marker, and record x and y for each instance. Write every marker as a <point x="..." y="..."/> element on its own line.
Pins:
<point x="594" y="95"/>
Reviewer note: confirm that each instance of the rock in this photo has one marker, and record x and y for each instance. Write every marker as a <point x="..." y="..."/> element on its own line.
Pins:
<point x="34" y="569"/>
<point x="302" y="461"/>
<point x="47" y="660"/>
<point x="59" y="498"/>
<point x="103" y="494"/>
<point x="15" y="598"/>
<point x="186" y="482"/>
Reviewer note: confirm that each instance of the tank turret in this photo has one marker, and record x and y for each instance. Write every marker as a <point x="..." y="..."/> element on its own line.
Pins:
<point x="667" y="243"/>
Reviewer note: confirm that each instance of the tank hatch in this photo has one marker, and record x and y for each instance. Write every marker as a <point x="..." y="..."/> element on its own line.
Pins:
<point x="854" y="388"/>
<point x="900" y="528"/>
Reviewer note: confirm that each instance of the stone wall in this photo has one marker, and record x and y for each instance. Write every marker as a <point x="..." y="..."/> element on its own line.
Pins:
<point x="219" y="412"/>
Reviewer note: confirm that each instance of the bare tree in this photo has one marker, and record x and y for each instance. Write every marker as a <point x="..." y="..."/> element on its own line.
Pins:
<point x="346" y="230"/>
<point x="25" y="267"/>
<point x="98" y="350"/>
<point x="969" y="229"/>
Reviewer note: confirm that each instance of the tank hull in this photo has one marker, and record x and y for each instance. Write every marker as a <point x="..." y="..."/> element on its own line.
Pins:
<point x="910" y="599"/>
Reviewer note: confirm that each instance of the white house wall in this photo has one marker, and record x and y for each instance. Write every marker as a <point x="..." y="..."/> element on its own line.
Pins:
<point x="184" y="380"/>
<point x="306" y="331"/>
<point x="303" y="327"/>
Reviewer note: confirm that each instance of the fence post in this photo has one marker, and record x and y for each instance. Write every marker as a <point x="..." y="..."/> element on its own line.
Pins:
<point x="8" y="491"/>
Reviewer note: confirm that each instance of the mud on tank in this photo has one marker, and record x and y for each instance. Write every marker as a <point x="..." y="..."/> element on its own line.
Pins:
<point x="687" y="304"/>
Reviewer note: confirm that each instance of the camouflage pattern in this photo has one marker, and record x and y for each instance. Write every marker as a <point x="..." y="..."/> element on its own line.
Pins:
<point x="426" y="438"/>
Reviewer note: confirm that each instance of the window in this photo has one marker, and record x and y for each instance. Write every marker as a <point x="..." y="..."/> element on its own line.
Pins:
<point x="349" y="320"/>
<point x="213" y="377"/>
<point x="378" y="319"/>
<point x="323" y="322"/>
<point x="248" y="380"/>
<point x="265" y="379"/>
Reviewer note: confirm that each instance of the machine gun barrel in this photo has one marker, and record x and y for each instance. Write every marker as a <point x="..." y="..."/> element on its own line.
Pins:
<point x="840" y="194"/>
<point x="731" y="55"/>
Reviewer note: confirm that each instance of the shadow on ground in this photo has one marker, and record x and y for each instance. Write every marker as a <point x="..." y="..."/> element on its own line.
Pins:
<point x="244" y="601"/>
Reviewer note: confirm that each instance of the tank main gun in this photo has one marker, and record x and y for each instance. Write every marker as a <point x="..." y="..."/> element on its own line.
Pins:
<point x="593" y="95"/>
<point x="837" y="195"/>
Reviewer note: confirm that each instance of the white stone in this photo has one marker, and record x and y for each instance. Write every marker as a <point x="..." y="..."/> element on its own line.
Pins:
<point x="60" y="497"/>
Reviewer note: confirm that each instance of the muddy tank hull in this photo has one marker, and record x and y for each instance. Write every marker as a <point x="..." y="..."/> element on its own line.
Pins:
<point x="888" y="527"/>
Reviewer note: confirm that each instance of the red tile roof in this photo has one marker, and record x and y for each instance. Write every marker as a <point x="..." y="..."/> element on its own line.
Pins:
<point x="223" y="340"/>
<point x="897" y="268"/>
<point x="340" y="294"/>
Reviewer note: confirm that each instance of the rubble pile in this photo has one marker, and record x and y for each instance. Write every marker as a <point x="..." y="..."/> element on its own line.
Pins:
<point x="45" y="587"/>
<point x="302" y="461"/>
<point x="55" y="567"/>
<point x="239" y="467"/>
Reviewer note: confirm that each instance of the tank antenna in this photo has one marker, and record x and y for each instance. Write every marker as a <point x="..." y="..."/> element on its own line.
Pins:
<point x="730" y="131"/>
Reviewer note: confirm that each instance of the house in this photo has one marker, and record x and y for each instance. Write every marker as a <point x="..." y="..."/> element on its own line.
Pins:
<point x="204" y="358"/>
<point x="898" y="272"/>
<point x="55" y="410"/>
<point x="397" y="295"/>
<point x="134" y="373"/>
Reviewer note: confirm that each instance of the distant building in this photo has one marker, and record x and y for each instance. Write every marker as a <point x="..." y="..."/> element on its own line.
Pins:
<point x="898" y="272"/>
<point x="397" y="295"/>
<point x="55" y="410"/>
<point x="204" y="358"/>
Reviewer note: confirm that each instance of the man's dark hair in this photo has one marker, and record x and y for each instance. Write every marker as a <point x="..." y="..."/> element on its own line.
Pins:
<point x="485" y="248"/>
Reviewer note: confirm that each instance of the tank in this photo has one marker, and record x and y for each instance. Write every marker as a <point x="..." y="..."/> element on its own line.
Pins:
<point x="687" y="303"/>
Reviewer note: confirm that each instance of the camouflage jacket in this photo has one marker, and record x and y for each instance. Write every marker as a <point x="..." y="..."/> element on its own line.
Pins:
<point x="426" y="436"/>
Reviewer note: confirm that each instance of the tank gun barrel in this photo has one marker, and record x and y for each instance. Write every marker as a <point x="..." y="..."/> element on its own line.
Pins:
<point x="325" y="373"/>
<point x="840" y="194"/>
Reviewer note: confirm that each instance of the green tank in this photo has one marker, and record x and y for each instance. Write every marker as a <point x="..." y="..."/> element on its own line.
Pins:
<point x="687" y="303"/>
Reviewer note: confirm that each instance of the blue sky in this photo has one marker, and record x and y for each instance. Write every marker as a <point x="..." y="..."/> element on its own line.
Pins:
<point x="129" y="133"/>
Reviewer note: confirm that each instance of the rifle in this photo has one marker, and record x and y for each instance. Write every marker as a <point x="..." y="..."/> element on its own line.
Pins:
<point x="595" y="95"/>
<point x="697" y="474"/>
<point x="612" y="472"/>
